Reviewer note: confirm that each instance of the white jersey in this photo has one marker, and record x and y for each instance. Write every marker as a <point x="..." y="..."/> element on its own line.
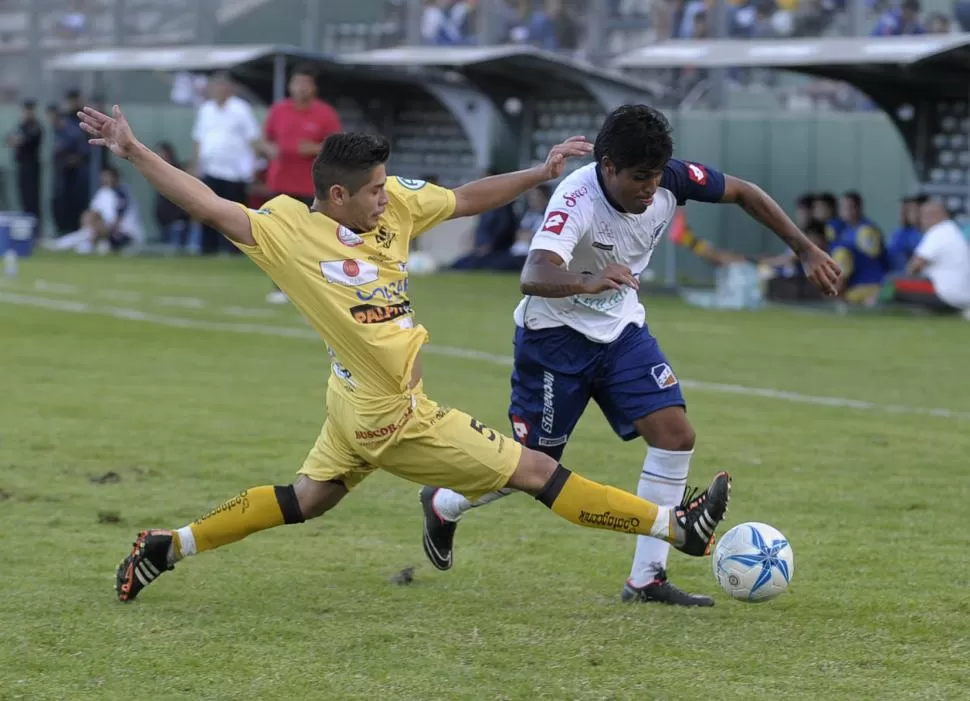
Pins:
<point x="589" y="232"/>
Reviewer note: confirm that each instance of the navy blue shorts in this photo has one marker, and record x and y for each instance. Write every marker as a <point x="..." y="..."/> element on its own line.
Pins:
<point x="557" y="371"/>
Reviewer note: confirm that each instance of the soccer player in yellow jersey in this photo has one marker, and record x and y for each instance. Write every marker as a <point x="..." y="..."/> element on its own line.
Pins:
<point x="343" y="264"/>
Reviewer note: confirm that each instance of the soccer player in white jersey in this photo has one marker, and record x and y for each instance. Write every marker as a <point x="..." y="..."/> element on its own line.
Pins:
<point x="581" y="332"/>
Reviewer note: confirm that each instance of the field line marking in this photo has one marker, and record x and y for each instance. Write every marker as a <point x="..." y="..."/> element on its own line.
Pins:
<point x="75" y="307"/>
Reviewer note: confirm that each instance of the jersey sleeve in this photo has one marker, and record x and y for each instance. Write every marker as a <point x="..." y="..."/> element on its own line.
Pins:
<point x="272" y="229"/>
<point x="428" y="205"/>
<point x="560" y="230"/>
<point x="692" y="181"/>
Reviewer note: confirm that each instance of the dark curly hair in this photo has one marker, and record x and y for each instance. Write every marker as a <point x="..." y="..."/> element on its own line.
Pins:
<point x="635" y="136"/>
<point x="347" y="159"/>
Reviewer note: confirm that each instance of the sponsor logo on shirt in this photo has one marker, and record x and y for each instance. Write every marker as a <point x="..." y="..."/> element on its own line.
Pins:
<point x="663" y="376"/>
<point x="411" y="183"/>
<point x="385" y="237"/>
<point x="603" y="246"/>
<point x="398" y="289"/>
<point x="571" y="198"/>
<point x="350" y="272"/>
<point x="555" y="222"/>
<point x="376" y="314"/>
<point x="348" y="237"/>
<point x="697" y="173"/>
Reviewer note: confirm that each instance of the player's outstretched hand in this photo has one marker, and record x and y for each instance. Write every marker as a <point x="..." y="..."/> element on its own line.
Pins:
<point x="111" y="132"/>
<point x="613" y="277"/>
<point x="573" y="147"/>
<point x="824" y="272"/>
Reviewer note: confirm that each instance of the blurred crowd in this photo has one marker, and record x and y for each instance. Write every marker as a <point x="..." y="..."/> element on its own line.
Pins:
<point x="924" y="262"/>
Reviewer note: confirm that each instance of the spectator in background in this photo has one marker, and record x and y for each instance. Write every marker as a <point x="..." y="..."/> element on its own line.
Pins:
<point x="861" y="252"/>
<point x="111" y="223"/>
<point x="942" y="262"/>
<point x="295" y="130"/>
<point x="225" y="134"/>
<point x="26" y="141"/>
<point x="899" y="22"/>
<point x="903" y="242"/>
<point x="552" y="28"/>
<point x="961" y="10"/>
<point x="494" y="235"/>
<point x="938" y="23"/>
<point x="825" y="210"/>
<point x="172" y="220"/>
<point x="437" y="26"/>
<point x="71" y="181"/>
<point x="804" y="214"/>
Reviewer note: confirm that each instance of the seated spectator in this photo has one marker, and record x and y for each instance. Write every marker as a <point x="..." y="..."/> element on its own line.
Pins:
<point x="786" y="276"/>
<point x="172" y="220"/>
<point x="502" y="239"/>
<point x="825" y="210"/>
<point x="110" y="223"/>
<point x="903" y="242"/>
<point x="900" y="22"/>
<point x="861" y="253"/>
<point x="938" y="274"/>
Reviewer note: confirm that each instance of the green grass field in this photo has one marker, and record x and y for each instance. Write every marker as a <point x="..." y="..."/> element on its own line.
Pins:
<point x="175" y="376"/>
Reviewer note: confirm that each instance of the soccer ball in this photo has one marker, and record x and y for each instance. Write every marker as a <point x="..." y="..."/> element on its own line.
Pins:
<point x="753" y="562"/>
<point x="421" y="263"/>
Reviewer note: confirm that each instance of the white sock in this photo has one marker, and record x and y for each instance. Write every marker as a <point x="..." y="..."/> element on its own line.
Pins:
<point x="186" y="544"/>
<point x="451" y="505"/>
<point x="662" y="481"/>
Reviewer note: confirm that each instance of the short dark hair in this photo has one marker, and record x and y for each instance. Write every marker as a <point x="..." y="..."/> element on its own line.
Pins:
<point x="827" y="198"/>
<point x="635" y="136"/>
<point x="347" y="159"/>
<point x="806" y="200"/>
<point x="307" y="69"/>
<point x="112" y="170"/>
<point x="853" y="197"/>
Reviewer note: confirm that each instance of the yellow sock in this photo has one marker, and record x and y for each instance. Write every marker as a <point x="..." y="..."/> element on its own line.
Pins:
<point x="594" y="505"/>
<point x="254" y="510"/>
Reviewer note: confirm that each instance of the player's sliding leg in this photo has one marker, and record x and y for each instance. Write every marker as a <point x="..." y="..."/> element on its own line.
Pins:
<point x="688" y="526"/>
<point x="663" y="480"/>
<point x="256" y="509"/>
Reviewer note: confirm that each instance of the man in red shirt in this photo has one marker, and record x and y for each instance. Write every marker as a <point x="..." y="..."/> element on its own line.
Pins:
<point x="295" y="130"/>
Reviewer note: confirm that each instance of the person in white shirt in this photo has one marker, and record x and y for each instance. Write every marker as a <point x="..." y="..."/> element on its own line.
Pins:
<point x="939" y="270"/>
<point x="581" y="329"/>
<point x="225" y="135"/>
<point x="110" y="223"/>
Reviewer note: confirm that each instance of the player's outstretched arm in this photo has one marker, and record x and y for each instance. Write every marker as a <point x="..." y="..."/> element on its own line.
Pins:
<point x="819" y="267"/>
<point x="189" y="193"/>
<point x="495" y="191"/>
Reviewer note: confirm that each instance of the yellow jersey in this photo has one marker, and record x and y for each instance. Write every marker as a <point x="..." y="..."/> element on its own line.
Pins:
<point x="352" y="287"/>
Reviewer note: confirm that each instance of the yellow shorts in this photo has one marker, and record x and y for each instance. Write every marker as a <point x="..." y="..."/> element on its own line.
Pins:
<point x="413" y="438"/>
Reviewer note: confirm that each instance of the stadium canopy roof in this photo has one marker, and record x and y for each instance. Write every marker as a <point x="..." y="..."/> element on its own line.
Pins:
<point x="180" y="58"/>
<point x="261" y="68"/>
<point x="523" y="68"/>
<point x="887" y="68"/>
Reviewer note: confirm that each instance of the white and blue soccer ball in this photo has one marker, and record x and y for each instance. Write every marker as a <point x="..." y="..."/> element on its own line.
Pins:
<point x="753" y="562"/>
